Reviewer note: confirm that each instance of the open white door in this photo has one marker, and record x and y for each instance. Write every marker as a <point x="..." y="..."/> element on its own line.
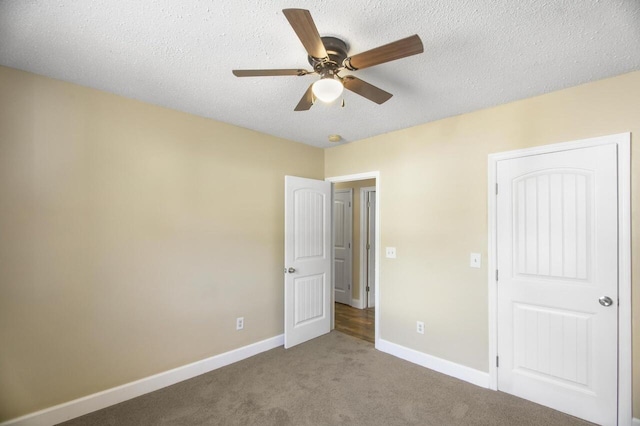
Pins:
<point x="371" y="249"/>
<point x="307" y="256"/>
<point x="557" y="250"/>
<point x="342" y="251"/>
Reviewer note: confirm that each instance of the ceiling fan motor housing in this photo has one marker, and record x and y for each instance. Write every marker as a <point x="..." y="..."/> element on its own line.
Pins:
<point x="337" y="52"/>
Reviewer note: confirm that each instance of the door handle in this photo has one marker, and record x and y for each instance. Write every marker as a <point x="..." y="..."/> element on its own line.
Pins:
<point x="291" y="270"/>
<point x="605" y="301"/>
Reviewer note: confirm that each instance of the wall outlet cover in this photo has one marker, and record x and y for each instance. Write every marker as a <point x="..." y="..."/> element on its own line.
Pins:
<point x="390" y="252"/>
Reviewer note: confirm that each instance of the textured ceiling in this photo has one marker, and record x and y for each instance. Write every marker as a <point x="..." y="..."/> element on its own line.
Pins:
<point x="179" y="54"/>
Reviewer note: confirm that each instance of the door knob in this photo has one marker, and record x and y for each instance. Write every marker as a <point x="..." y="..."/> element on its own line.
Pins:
<point x="292" y="270"/>
<point x="605" y="301"/>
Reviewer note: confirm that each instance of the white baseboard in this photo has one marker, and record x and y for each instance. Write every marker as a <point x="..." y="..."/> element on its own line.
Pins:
<point x="357" y="303"/>
<point x="468" y="374"/>
<point x="635" y="422"/>
<point x="97" y="401"/>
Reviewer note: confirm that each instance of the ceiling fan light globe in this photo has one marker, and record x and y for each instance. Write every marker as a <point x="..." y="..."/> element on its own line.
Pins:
<point x="327" y="89"/>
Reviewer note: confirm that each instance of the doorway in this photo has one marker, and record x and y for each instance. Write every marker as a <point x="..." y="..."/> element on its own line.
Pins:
<point x="357" y="316"/>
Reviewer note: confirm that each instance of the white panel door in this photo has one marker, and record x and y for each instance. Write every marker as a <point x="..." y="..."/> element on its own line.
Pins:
<point x="307" y="256"/>
<point x="371" y="258"/>
<point x="342" y="223"/>
<point x="557" y="256"/>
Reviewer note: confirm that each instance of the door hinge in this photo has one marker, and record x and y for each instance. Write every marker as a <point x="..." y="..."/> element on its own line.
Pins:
<point x="369" y="204"/>
<point x="496" y="189"/>
<point x="496" y="275"/>
<point x="349" y="245"/>
<point x="368" y="288"/>
<point x="349" y="203"/>
<point x="497" y="361"/>
<point x="368" y="246"/>
<point x="349" y="286"/>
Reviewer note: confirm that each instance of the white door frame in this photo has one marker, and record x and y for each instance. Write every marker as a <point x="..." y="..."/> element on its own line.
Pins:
<point x="623" y="142"/>
<point x="364" y="176"/>
<point x="363" y="244"/>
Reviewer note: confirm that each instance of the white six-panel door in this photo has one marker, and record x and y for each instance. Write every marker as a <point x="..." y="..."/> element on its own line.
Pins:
<point x="342" y="244"/>
<point x="307" y="291"/>
<point x="557" y="261"/>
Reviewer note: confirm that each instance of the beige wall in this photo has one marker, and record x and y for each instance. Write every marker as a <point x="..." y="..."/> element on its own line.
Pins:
<point x="433" y="181"/>
<point x="356" y="185"/>
<point x="132" y="236"/>
<point x="124" y="241"/>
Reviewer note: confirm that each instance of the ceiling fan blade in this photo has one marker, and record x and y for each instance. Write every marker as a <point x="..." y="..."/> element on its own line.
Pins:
<point x="366" y="90"/>
<point x="268" y="73"/>
<point x="389" y="52"/>
<point x="307" y="100"/>
<point x="302" y="23"/>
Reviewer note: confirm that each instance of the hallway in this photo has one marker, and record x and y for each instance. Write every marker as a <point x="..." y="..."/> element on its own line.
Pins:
<point x="355" y="322"/>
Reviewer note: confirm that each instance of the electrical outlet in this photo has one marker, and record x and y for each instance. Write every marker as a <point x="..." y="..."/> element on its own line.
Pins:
<point x="391" y="252"/>
<point x="239" y="323"/>
<point x="420" y="327"/>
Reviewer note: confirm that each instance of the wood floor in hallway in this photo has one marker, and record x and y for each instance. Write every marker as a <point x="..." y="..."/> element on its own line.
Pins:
<point x="355" y="322"/>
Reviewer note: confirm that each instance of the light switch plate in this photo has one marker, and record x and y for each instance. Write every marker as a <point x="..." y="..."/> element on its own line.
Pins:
<point x="391" y="252"/>
<point x="474" y="260"/>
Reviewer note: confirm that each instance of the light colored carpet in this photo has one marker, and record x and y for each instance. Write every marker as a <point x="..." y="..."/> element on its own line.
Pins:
<point x="334" y="379"/>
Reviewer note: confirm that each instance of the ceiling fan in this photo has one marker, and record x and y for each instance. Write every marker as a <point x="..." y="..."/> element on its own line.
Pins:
<point x="328" y="57"/>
